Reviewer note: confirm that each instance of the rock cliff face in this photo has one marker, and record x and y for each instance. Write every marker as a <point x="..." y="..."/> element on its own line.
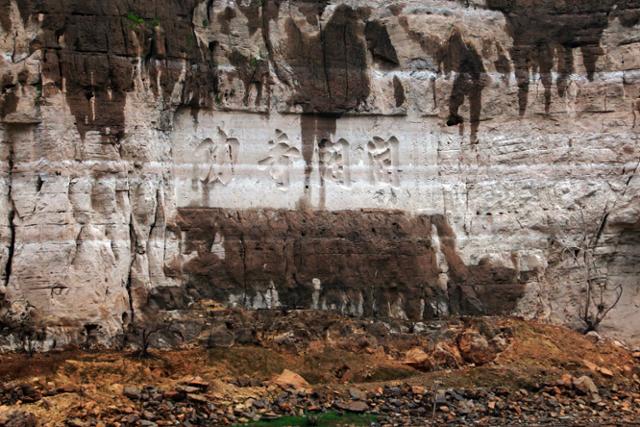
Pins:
<point x="407" y="159"/>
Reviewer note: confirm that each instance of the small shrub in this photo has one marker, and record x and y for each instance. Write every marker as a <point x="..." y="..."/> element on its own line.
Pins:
<point x="135" y="19"/>
<point x="140" y="22"/>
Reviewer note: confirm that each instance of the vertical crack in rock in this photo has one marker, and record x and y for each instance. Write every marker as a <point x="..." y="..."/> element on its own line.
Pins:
<point x="11" y="248"/>
<point x="243" y="255"/>
<point x="345" y="41"/>
<point x="77" y="248"/>
<point x="12" y="213"/>
<point x="133" y="243"/>
<point x="325" y="64"/>
<point x="148" y="227"/>
<point x="269" y="13"/>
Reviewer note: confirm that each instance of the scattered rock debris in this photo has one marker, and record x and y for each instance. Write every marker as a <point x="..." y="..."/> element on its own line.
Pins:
<point x="481" y="371"/>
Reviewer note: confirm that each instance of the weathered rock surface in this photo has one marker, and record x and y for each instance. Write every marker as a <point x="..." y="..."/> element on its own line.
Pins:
<point x="406" y="159"/>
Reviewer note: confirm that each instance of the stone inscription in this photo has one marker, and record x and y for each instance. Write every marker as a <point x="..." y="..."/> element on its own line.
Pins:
<point x="280" y="160"/>
<point x="334" y="161"/>
<point x="384" y="161"/>
<point x="215" y="160"/>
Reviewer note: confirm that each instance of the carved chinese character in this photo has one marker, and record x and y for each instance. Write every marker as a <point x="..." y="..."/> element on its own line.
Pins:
<point x="334" y="161"/>
<point x="281" y="157"/>
<point x="384" y="161"/>
<point x="215" y="160"/>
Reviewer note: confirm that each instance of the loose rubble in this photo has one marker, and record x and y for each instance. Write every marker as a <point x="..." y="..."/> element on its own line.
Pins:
<point x="462" y="377"/>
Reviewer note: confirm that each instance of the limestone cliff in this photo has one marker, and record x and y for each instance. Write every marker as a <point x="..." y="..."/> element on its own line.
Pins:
<point x="410" y="159"/>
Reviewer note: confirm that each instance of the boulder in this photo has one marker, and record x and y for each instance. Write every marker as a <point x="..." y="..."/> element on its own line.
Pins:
<point x="418" y="358"/>
<point x="132" y="392"/>
<point x="475" y="348"/>
<point x="606" y="372"/>
<point x="447" y="356"/>
<point x="290" y="380"/>
<point x="585" y="385"/>
<point x="353" y="406"/>
<point x="590" y="365"/>
<point x="197" y="382"/>
<point x="357" y="394"/>
<point x="418" y="389"/>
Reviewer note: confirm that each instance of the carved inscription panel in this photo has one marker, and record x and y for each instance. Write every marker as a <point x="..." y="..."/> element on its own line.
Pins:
<point x="215" y="159"/>
<point x="384" y="160"/>
<point x="242" y="160"/>
<point x="280" y="160"/>
<point x="334" y="161"/>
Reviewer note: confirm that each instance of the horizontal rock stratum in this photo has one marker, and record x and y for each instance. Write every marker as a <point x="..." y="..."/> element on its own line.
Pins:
<point x="412" y="159"/>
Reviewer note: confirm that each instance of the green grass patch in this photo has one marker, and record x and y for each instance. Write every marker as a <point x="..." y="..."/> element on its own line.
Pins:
<point x="326" y="419"/>
<point x="138" y="21"/>
<point x="135" y="19"/>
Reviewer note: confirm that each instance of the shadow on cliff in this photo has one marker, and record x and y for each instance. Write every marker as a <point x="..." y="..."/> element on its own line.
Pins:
<point x="364" y="263"/>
